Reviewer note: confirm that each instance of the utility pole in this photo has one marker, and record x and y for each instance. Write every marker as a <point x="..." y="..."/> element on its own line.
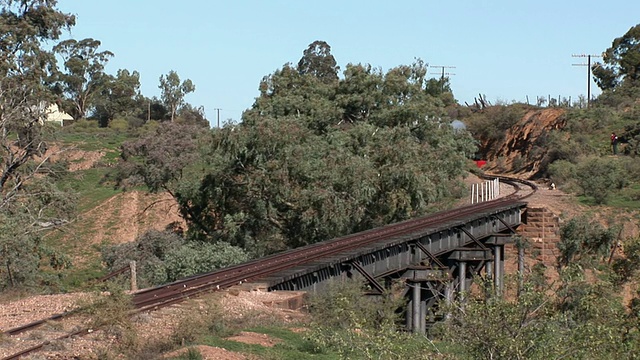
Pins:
<point x="443" y="67"/>
<point x="218" y="111"/>
<point x="588" y="65"/>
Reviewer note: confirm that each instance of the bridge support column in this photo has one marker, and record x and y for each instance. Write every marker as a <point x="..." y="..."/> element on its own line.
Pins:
<point x="423" y="316"/>
<point x="462" y="279"/>
<point x="488" y="284"/>
<point x="498" y="269"/>
<point x="409" y="316"/>
<point x="419" y="322"/>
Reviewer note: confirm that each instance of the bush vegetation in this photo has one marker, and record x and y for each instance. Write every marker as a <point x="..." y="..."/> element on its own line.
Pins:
<point x="165" y="256"/>
<point x="315" y="157"/>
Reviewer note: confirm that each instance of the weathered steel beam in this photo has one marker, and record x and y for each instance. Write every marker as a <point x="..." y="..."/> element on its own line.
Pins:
<point x="372" y="281"/>
<point x="470" y="235"/>
<point x="471" y="254"/>
<point x="430" y="255"/>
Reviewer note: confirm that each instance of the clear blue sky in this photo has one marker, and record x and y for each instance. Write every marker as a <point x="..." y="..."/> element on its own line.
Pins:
<point x="505" y="49"/>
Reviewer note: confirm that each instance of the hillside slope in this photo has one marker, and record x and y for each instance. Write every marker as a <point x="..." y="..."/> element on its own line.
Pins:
<point x="521" y="151"/>
<point x="107" y="216"/>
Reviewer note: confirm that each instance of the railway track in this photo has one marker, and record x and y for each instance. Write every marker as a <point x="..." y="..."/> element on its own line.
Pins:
<point x="168" y="294"/>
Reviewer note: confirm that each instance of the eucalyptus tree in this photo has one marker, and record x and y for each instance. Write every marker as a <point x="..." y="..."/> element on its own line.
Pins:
<point x="27" y="202"/>
<point x="318" y="61"/>
<point x="119" y="96"/>
<point x="174" y="91"/>
<point x="279" y="184"/>
<point x="288" y="93"/>
<point x="84" y="74"/>
<point x="313" y="160"/>
<point x="621" y="67"/>
<point x="359" y="94"/>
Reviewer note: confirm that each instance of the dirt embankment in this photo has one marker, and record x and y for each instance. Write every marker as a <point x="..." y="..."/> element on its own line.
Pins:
<point x="126" y="215"/>
<point x="117" y="220"/>
<point x="523" y="148"/>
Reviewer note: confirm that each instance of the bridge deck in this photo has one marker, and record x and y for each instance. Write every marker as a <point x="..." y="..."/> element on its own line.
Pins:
<point x="397" y="253"/>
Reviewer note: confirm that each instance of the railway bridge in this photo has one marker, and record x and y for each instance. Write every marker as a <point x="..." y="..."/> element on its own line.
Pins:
<point x="435" y="257"/>
<point x="436" y="261"/>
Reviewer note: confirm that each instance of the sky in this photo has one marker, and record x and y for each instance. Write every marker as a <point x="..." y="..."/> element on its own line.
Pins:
<point x="504" y="49"/>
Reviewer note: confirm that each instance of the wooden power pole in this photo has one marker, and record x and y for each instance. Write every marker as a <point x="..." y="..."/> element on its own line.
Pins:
<point x="443" y="67"/>
<point x="588" y="65"/>
<point x="218" y="111"/>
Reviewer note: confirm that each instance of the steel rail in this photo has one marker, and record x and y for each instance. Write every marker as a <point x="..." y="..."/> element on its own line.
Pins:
<point x="225" y="277"/>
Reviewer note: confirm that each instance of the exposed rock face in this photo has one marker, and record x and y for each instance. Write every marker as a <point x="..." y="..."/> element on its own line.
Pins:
<point x="521" y="151"/>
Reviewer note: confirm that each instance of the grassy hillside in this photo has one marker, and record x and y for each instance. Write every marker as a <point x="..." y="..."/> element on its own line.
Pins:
<point x="106" y="214"/>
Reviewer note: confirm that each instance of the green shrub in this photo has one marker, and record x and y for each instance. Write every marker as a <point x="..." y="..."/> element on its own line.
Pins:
<point x="210" y="320"/>
<point x="149" y="251"/>
<point x="149" y="126"/>
<point x="164" y="256"/>
<point x="119" y="125"/>
<point x="521" y="328"/>
<point x="598" y="177"/>
<point x="625" y="267"/>
<point x="585" y="121"/>
<point x="562" y="172"/>
<point x="200" y="257"/>
<point x="358" y="326"/>
<point x="112" y="313"/>
<point x="583" y="240"/>
<point x="83" y="126"/>
<point x="134" y="122"/>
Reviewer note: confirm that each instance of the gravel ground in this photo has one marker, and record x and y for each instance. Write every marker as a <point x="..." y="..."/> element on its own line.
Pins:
<point x="151" y="327"/>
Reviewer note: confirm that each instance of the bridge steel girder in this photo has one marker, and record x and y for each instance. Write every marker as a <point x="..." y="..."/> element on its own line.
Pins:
<point x="395" y="255"/>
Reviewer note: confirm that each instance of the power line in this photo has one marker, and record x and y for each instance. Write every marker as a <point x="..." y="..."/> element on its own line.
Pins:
<point x="443" y="67"/>
<point x="588" y="65"/>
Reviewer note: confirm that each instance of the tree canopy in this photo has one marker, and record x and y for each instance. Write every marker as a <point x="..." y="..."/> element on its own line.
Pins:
<point x="27" y="199"/>
<point x="84" y="75"/>
<point x="174" y="91"/>
<point x="621" y="62"/>
<point x="318" y="61"/>
<point x="313" y="160"/>
<point x="119" y="96"/>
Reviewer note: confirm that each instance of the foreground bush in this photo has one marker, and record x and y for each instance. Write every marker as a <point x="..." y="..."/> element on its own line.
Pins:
<point x="357" y="326"/>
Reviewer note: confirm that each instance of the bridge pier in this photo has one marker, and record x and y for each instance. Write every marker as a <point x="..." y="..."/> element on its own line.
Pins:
<point x="498" y="269"/>
<point x="416" y="317"/>
<point x="425" y="287"/>
<point x="417" y="308"/>
<point x="497" y="244"/>
<point x="462" y="280"/>
<point x="448" y="296"/>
